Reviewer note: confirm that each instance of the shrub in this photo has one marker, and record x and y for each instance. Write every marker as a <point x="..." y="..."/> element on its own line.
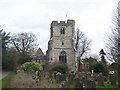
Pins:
<point x="99" y="68"/>
<point x="60" y="68"/>
<point x="31" y="67"/>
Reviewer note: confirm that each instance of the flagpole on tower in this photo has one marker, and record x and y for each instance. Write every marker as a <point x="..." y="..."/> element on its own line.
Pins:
<point x="66" y="17"/>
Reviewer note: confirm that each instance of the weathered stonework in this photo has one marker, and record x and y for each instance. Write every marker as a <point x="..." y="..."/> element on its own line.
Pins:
<point x="60" y="42"/>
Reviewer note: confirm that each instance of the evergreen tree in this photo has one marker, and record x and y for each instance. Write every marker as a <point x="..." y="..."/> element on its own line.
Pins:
<point x="102" y="53"/>
<point x="6" y="63"/>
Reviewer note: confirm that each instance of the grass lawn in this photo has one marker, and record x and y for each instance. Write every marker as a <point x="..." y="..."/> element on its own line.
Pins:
<point x="71" y="87"/>
<point x="106" y="87"/>
<point x="0" y="84"/>
<point x="6" y="82"/>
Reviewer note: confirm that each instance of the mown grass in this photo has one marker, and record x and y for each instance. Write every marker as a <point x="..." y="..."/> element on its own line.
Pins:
<point x="71" y="87"/>
<point x="0" y="84"/>
<point x="106" y="86"/>
<point x="6" y="81"/>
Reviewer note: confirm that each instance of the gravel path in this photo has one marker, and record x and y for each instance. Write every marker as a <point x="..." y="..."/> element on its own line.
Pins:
<point x="3" y="74"/>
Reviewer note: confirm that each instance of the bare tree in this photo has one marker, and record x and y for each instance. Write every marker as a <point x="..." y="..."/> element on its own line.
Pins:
<point x="25" y="43"/>
<point x="82" y="46"/>
<point x="102" y="55"/>
<point x="82" y="43"/>
<point x="113" y="44"/>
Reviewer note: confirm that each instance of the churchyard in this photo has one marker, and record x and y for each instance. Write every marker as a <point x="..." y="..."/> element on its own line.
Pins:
<point x="55" y="79"/>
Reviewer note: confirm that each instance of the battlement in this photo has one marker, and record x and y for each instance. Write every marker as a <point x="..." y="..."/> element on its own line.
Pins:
<point x="68" y="23"/>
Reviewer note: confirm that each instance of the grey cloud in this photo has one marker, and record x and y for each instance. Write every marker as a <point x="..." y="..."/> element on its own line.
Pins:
<point x="74" y="5"/>
<point x="29" y="23"/>
<point x="36" y="16"/>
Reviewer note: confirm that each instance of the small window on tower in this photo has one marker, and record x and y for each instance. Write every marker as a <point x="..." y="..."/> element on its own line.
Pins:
<point x="62" y="30"/>
<point x="62" y="43"/>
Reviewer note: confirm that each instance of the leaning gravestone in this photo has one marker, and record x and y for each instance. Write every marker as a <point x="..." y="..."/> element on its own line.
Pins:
<point x="101" y="80"/>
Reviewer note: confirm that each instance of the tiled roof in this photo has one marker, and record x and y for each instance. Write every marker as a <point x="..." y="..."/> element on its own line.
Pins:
<point x="39" y="52"/>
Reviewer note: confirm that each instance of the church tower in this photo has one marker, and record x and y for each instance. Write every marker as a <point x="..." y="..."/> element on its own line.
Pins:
<point x="61" y="43"/>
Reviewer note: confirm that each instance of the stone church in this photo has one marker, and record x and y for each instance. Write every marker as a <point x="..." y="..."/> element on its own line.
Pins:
<point x="61" y="47"/>
<point x="61" y="43"/>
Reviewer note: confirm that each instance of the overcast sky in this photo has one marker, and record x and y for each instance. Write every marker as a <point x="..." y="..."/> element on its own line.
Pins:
<point x="93" y="17"/>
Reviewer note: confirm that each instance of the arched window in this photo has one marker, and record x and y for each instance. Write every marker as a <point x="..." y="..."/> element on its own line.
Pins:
<point x="63" y="57"/>
<point x="62" y="30"/>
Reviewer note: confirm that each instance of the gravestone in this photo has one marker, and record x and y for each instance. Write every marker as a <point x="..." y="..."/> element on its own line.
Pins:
<point x="101" y="80"/>
<point x="81" y="75"/>
<point x="43" y="73"/>
<point x="78" y="84"/>
<point x="50" y="79"/>
<point x="63" y="84"/>
<point x="63" y="77"/>
<point x="53" y="75"/>
<point x="84" y="81"/>
<point x="58" y="77"/>
<point x="67" y="76"/>
<point x="88" y="75"/>
<point x="46" y="75"/>
<point x="113" y="79"/>
<point x="91" y="85"/>
<point x="70" y="78"/>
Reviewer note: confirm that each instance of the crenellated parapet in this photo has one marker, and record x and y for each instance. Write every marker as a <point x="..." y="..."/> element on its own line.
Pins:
<point x="69" y="22"/>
